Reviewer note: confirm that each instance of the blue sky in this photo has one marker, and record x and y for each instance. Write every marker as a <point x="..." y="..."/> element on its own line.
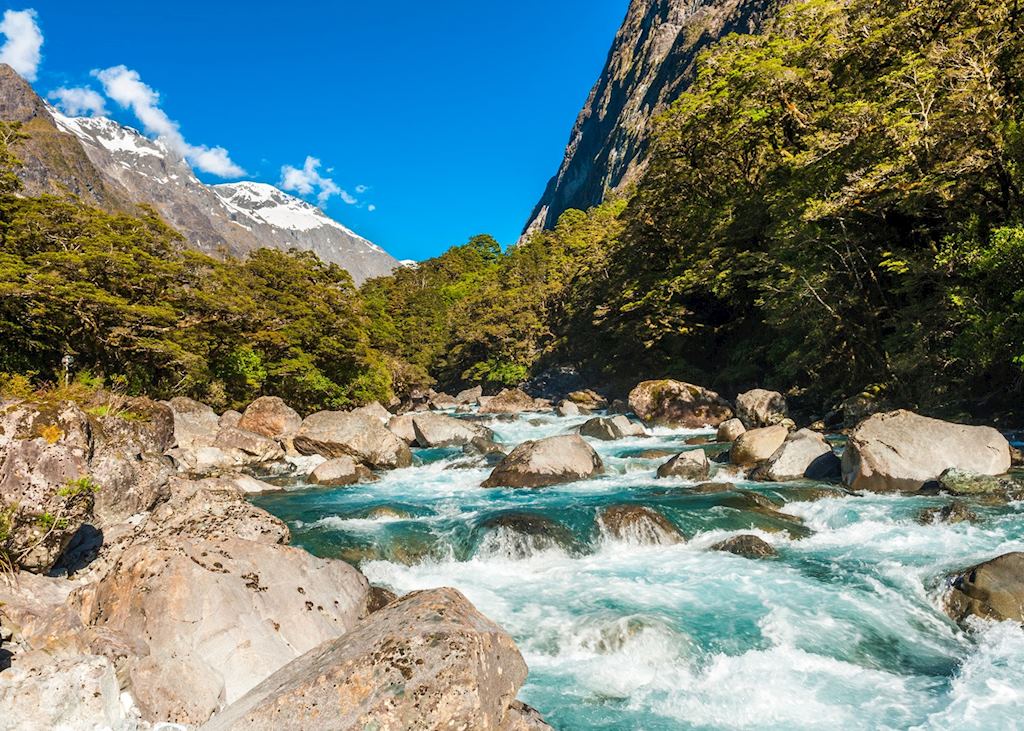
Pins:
<point x="441" y="120"/>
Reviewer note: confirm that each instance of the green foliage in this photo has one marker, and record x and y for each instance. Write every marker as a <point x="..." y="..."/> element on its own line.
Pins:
<point x="136" y="309"/>
<point x="82" y="486"/>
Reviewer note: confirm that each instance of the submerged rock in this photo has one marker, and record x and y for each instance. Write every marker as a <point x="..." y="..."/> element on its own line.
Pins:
<point x="961" y="482"/>
<point x="757" y="445"/>
<point x="760" y="408"/>
<point x="991" y="590"/>
<point x="748" y="546"/>
<point x="639" y="524"/>
<point x="551" y="461"/>
<point x="679" y="405"/>
<point x="804" y="454"/>
<point x="901" y="451"/>
<point x="427" y="661"/>
<point x="364" y="438"/>
<point x="440" y="430"/>
<point x="956" y="512"/>
<point x="519" y="535"/>
<point x="689" y="465"/>
<point x="611" y="427"/>
<point x="271" y="417"/>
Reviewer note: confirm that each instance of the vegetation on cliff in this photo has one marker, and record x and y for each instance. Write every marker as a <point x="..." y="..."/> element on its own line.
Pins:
<point x="834" y="205"/>
<point x="126" y="300"/>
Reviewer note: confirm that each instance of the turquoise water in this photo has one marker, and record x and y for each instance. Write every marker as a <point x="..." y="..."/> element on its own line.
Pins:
<point x="843" y="631"/>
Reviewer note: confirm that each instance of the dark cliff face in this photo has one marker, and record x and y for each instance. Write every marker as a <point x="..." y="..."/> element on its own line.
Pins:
<point x="652" y="61"/>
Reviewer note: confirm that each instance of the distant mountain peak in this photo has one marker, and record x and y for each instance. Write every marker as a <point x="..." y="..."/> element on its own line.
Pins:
<point x="117" y="167"/>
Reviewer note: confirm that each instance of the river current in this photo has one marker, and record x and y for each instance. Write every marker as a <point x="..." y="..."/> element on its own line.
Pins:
<point x="843" y="630"/>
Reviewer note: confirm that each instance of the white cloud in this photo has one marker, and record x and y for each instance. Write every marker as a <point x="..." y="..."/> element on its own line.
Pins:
<point x="79" y="102"/>
<point x="371" y="208"/>
<point x="21" y="50"/>
<point x="360" y="189"/>
<point x="126" y="87"/>
<point x="308" y="180"/>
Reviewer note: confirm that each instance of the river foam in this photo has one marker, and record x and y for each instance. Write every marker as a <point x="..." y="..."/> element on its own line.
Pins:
<point x="844" y="629"/>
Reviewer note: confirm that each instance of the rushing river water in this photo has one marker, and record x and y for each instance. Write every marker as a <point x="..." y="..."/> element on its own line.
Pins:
<point x="844" y="630"/>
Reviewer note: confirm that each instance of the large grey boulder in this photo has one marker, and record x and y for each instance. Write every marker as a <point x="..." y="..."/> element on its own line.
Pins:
<point x="757" y="445"/>
<point x="79" y="692"/>
<point x="338" y="472"/>
<point x="440" y="430"/>
<point x="730" y="431"/>
<point x="401" y="427"/>
<point x="678" y="404"/>
<point x="210" y="619"/>
<point x="195" y="424"/>
<point x="364" y="438"/>
<point x="759" y="408"/>
<point x="991" y="590"/>
<point x="747" y="546"/>
<point x="257" y="446"/>
<point x="271" y="417"/>
<point x="551" y="461"/>
<point x="376" y="410"/>
<point x="900" y="451"/>
<point x="469" y="396"/>
<point x="609" y="428"/>
<point x="427" y="661"/>
<point x="690" y="465"/>
<point x="567" y="409"/>
<point x="804" y="454"/>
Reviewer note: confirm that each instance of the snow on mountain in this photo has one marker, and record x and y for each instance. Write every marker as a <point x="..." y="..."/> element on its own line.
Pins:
<point x="234" y="217"/>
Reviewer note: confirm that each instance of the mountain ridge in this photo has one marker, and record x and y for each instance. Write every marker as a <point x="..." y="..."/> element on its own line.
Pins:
<point x="116" y="167"/>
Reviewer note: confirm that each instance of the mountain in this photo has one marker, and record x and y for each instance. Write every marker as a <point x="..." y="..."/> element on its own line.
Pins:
<point x="651" y="62"/>
<point x="116" y="167"/>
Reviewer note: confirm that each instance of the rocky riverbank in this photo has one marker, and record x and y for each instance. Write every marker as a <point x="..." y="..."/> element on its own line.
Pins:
<point x="150" y="589"/>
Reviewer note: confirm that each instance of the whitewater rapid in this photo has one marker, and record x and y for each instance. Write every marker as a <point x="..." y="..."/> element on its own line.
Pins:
<point x="844" y="630"/>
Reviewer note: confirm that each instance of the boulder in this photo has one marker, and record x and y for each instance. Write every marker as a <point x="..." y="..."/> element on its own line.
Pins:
<point x="481" y="447"/>
<point x="230" y="419"/>
<point x="961" y="482"/>
<point x="638" y="524"/>
<point x="271" y="417"/>
<point x="442" y="402"/>
<point x="608" y="428"/>
<point x="991" y="590"/>
<point x="259" y="447"/>
<point x="678" y="405"/>
<point x="45" y="481"/>
<point x="469" y="396"/>
<point x="748" y="546"/>
<point x="517" y="535"/>
<point x="376" y="410"/>
<point x="426" y="661"/>
<point x="757" y="445"/>
<point x="338" y="472"/>
<point x="211" y="619"/>
<point x="401" y="427"/>
<point x="730" y="430"/>
<point x="760" y="408"/>
<point x="510" y="401"/>
<point x="195" y="424"/>
<point x="955" y="512"/>
<point x="440" y="430"/>
<point x="900" y="451"/>
<point x="689" y="465"/>
<point x="364" y="438"/>
<point x="568" y="409"/>
<point x="64" y="693"/>
<point x="551" y="461"/>
<point x="618" y="406"/>
<point x="804" y="454"/>
<point x="588" y="400"/>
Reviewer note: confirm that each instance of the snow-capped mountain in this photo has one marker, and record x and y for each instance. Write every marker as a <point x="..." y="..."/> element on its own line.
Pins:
<point x="116" y="167"/>
<point x="234" y="217"/>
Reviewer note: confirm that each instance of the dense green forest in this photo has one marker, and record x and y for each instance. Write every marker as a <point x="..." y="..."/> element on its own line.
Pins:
<point x="123" y="297"/>
<point x="833" y="207"/>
